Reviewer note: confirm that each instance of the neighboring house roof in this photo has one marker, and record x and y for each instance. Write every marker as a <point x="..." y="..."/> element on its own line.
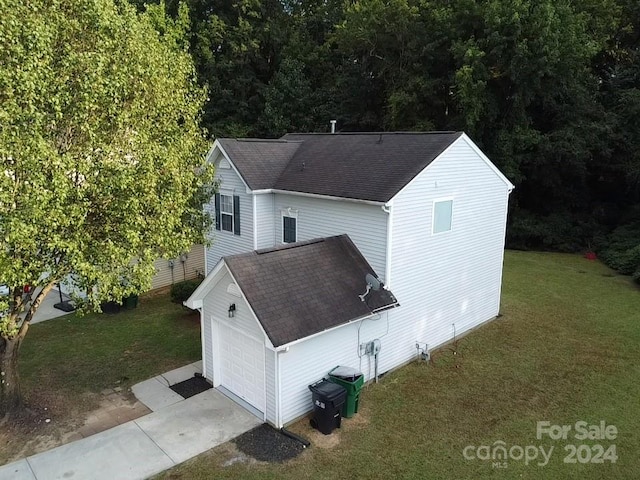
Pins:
<point x="364" y="166"/>
<point x="304" y="288"/>
<point x="259" y="162"/>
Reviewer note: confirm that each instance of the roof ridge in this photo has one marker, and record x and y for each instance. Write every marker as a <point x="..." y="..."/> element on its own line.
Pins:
<point x="401" y="132"/>
<point x="261" y="140"/>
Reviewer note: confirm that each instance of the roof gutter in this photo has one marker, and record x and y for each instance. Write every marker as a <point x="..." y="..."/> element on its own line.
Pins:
<point x="285" y="347"/>
<point x="317" y="195"/>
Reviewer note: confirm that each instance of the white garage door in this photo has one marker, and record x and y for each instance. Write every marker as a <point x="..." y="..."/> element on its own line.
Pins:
<point x="242" y="366"/>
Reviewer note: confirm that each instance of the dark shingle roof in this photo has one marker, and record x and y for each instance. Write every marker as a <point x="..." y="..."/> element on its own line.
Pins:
<point x="307" y="287"/>
<point x="365" y="166"/>
<point x="260" y="162"/>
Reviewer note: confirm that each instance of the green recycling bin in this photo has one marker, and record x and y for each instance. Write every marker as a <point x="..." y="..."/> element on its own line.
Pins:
<point x="130" y="302"/>
<point x="353" y="381"/>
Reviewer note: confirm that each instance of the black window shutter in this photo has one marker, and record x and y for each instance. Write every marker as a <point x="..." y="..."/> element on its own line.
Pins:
<point x="218" y="219"/>
<point x="236" y="215"/>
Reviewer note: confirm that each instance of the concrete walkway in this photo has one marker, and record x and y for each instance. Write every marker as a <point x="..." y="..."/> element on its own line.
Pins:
<point x="173" y="433"/>
<point x="46" y="311"/>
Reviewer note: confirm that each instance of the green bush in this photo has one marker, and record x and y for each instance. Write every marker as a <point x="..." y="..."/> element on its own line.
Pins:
<point x="621" y="250"/>
<point x="559" y="231"/>
<point x="181" y="291"/>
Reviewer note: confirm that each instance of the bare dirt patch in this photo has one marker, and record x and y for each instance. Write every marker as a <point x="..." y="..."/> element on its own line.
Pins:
<point x="325" y="442"/>
<point x="42" y="428"/>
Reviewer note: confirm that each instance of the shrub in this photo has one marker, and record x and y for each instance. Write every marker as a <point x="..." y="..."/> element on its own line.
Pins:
<point x="559" y="231"/>
<point x="636" y="276"/>
<point x="181" y="291"/>
<point x="622" y="249"/>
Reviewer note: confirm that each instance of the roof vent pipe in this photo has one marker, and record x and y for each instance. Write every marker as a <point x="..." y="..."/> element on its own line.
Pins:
<point x="333" y="125"/>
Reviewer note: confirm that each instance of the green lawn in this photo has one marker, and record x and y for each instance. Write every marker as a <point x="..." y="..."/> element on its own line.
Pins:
<point x="66" y="362"/>
<point x="566" y="349"/>
<point x="73" y="355"/>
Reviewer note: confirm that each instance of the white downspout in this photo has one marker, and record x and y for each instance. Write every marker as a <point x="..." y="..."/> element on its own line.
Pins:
<point x="255" y="223"/>
<point x="204" y="361"/>
<point x="278" y="390"/>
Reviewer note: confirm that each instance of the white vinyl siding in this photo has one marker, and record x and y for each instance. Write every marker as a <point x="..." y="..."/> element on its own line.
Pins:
<point x="265" y="231"/>
<point x="207" y="346"/>
<point x="225" y="243"/>
<point x="192" y="266"/>
<point x="216" y="304"/>
<point x="310" y="360"/>
<point x="270" y="380"/>
<point x="451" y="282"/>
<point x="365" y="224"/>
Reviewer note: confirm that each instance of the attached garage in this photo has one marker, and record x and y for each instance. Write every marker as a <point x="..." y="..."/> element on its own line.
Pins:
<point x="241" y="360"/>
<point x="274" y="321"/>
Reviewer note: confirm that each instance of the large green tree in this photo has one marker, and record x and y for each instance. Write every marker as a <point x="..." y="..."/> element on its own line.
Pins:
<point x="101" y="156"/>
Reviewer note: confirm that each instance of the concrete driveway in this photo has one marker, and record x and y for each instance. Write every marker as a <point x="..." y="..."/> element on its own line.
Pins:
<point x="143" y="447"/>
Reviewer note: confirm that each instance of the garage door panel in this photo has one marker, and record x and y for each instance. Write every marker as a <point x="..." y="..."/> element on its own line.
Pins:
<point x="242" y="366"/>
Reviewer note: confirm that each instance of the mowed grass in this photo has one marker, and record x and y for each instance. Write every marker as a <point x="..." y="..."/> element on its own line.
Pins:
<point x="73" y="355"/>
<point x="65" y="364"/>
<point x="567" y="348"/>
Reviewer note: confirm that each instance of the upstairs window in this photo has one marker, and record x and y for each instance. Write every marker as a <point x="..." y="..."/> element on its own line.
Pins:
<point x="289" y="229"/>
<point x="228" y="213"/>
<point x="442" y="215"/>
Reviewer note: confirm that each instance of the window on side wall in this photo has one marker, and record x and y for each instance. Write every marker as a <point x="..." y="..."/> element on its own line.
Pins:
<point x="442" y="215"/>
<point x="226" y="212"/>
<point x="289" y="229"/>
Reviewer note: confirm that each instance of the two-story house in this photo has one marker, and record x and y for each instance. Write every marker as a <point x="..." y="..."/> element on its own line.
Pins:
<point x="425" y="213"/>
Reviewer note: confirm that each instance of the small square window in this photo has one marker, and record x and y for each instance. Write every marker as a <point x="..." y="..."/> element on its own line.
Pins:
<point x="289" y="234"/>
<point x="442" y="216"/>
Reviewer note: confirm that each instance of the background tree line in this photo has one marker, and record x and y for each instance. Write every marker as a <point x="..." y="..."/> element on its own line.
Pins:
<point x="549" y="89"/>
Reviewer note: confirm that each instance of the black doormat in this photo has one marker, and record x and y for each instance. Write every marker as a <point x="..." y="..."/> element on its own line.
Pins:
<point x="191" y="387"/>
<point x="267" y="444"/>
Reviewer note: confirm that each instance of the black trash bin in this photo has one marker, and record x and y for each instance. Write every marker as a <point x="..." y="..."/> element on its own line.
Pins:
<point x="328" y="399"/>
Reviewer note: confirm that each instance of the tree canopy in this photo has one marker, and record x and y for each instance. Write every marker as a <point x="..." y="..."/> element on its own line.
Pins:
<point x="101" y="154"/>
<point x="548" y="88"/>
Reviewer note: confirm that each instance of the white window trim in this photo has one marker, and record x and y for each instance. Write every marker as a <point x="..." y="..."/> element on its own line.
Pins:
<point x="232" y="214"/>
<point x="287" y="212"/>
<point x="433" y="215"/>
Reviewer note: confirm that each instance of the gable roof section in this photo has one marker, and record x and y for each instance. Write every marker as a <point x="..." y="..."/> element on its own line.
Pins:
<point x="366" y="166"/>
<point x="307" y="287"/>
<point x="259" y="162"/>
<point x="363" y="166"/>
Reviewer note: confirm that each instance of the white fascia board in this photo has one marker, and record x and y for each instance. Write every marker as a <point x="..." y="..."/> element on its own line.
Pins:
<point x="286" y="346"/>
<point x="211" y="150"/>
<point x="317" y="195"/>
<point x="196" y="299"/>
<point x="217" y="145"/>
<point x="465" y="137"/>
